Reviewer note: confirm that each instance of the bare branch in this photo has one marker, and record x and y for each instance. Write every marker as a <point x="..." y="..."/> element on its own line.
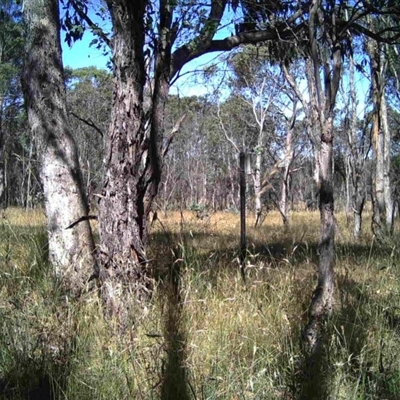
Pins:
<point x="81" y="219"/>
<point x="173" y="132"/>
<point x="230" y="140"/>
<point x="185" y="53"/>
<point x="88" y="122"/>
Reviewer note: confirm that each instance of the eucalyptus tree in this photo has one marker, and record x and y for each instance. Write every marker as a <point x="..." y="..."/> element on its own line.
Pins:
<point x="255" y="83"/>
<point x="325" y="55"/>
<point x="358" y="143"/>
<point x="382" y="196"/>
<point x="189" y="174"/>
<point x="70" y="243"/>
<point x="151" y="43"/>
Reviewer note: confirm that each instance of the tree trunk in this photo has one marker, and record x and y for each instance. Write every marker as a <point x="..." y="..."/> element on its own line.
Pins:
<point x="257" y="188"/>
<point x="123" y="220"/>
<point x="382" y="222"/>
<point x="356" y="159"/>
<point x="70" y="250"/>
<point x="284" y="201"/>
<point x="133" y="163"/>
<point x="387" y="166"/>
<point x="322" y="302"/>
<point x="2" y="157"/>
<point x="323" y="104"/>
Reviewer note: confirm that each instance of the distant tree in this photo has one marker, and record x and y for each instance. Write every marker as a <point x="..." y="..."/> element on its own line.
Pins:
<point x="11" y="45"/>
<point x="151" y="43"/>
<point x="382" y="196"/>
<point x="89" y="93"/>
<point x="256" y="84"/>
<point x="358" y="144"/>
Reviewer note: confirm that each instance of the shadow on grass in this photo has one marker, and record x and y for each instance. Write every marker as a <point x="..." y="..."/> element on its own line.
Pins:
<point x="345" y="349"/>
<point x="346" y="337"/>
<point x="361" y="315"/>
<point x="273" y="254"/>
<point x="175" y="383"/>
<point x="33" y="384"/>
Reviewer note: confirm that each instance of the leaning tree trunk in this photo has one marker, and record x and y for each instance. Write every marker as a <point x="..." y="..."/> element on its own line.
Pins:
<point x="70" y="250"/>
<point x="323" y="104"/>
<point x="322" y="302"/>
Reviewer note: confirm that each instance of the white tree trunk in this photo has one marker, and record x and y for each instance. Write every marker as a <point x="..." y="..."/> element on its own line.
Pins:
<point x="284" y="201"/>
<point x="387" y="166"/>
<point x="70" y="250"/>
<point x="257" y="189"/>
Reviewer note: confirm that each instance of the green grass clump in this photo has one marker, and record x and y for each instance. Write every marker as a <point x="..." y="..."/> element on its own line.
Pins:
<point x="205" y="334"/>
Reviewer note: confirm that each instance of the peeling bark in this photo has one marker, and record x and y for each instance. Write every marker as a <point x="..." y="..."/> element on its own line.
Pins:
<point x="122" y="214"/>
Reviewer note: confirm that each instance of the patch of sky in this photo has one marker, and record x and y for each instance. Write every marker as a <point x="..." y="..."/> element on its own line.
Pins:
<point x="200" y="77"/>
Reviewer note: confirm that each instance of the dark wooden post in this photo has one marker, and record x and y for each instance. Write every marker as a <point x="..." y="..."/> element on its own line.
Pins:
<point x="242" y="183"/>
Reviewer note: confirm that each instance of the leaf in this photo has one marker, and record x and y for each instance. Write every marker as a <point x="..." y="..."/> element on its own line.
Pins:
<point x="93" y="42"/>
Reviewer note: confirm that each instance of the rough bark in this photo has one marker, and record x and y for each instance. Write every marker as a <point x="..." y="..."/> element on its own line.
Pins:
<point x="122" y="213"/>
<point x="323" y="99"/>
<point x="2" y="164"/>
<point x="70" y="250"/>
<point x="133" y="153"/>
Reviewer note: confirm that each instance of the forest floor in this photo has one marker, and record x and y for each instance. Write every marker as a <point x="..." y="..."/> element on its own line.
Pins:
<point x="206" y="333"/>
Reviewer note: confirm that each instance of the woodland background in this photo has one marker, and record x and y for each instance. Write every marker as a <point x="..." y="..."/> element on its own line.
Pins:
<point x="318" y="113"/>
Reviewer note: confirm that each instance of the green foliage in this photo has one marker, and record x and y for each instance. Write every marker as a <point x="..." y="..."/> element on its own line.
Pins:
<point x="11" y="49"/>
<point x="76" y="19"/>
<point x="197" y="207"/>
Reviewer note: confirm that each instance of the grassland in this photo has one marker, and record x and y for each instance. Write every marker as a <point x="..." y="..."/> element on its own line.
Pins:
<point x="205" y="334"/>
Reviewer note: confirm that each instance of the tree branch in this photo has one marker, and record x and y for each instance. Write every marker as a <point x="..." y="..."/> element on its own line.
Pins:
<point x="187" y="53"/>
<point x="95" y="28"/>
<point x="172" y="134"/>
<point x="88" y="123"/>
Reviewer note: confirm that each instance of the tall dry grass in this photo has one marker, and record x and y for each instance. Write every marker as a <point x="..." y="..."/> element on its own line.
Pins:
<point x="206" y="334"/>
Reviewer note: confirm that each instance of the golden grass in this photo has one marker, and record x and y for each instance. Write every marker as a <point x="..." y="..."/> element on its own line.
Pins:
<point x="206" y="334"/>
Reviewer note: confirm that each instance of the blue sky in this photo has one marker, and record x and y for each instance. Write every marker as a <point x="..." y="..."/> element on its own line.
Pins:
<point x="190" y="84"/>
<point x="81" y="55"/>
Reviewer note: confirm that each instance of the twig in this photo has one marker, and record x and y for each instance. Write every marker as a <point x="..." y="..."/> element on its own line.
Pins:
<point x="85" y="218"/>
<point x="89" y="123"/>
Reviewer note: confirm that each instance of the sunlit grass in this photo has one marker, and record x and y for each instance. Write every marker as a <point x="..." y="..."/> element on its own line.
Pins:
<point x="206" y="334"/>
